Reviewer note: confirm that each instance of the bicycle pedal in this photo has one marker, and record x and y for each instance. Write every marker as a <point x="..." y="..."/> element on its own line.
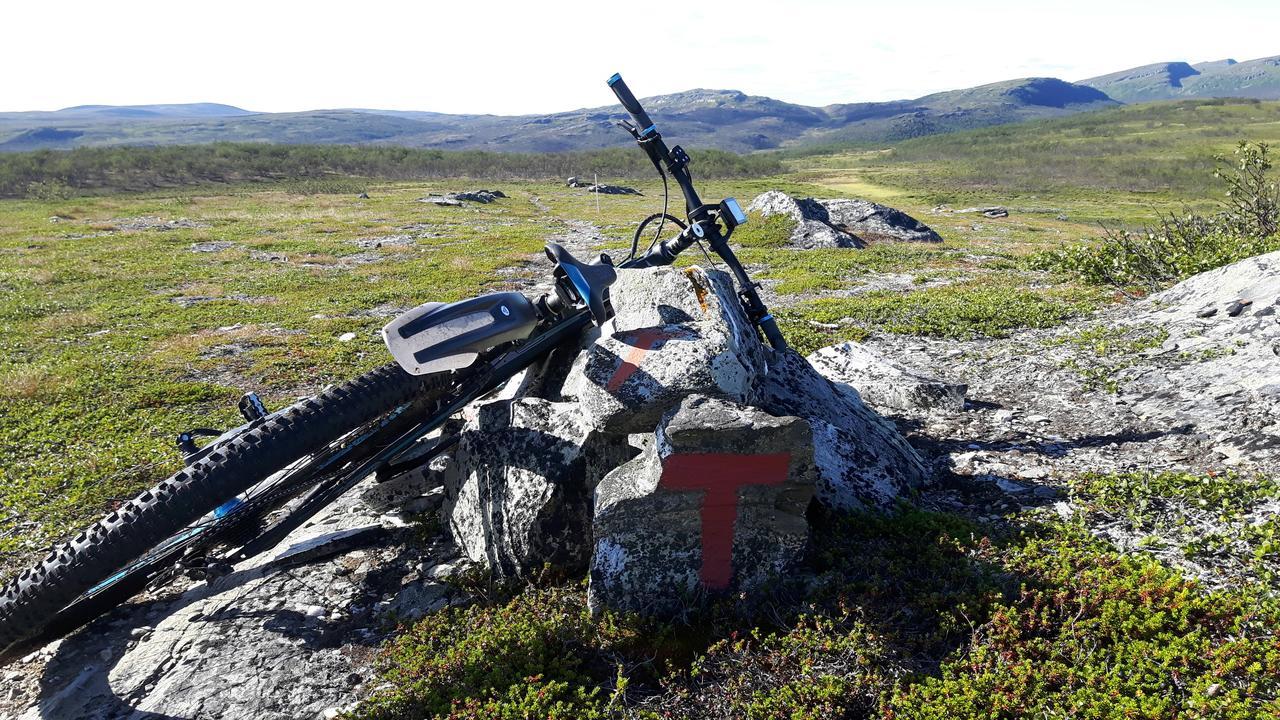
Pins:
<point x="186" y="442"/>
<point x="207" y="571"/>
<point x="251" y="407"/>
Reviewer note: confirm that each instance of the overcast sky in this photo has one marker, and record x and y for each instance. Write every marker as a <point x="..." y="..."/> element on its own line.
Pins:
<point x="496" y="56"/>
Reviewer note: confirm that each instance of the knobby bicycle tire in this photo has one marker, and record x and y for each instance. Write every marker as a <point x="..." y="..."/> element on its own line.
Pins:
<point x="31" y="600"/>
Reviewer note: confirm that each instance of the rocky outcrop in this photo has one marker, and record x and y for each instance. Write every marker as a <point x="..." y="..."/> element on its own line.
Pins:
<point x="716" y="502"/>
<point x="480" y="196"/>
<point x="842" y="223"/>
<point x="282" y="637"/>
<point x="529" y="462"/>
<point x="457" y="199"/>
<point x="991" y="211"/>
<point x="1221" y="352"/>
<point x="602" y="189"/>
<point x="885" y="383"/>
<point x="519" y="494"/>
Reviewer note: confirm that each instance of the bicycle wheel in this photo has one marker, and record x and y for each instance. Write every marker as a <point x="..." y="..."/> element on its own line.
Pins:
<point x="30" y="602"/>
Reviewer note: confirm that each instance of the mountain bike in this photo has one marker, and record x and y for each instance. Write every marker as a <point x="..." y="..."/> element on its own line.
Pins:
<point x="247" y="488"/>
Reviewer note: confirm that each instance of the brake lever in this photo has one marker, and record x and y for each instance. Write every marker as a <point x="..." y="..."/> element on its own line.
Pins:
<point x="635" y="132"/>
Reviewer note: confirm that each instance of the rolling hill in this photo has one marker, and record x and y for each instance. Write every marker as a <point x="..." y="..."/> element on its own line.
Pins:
<point x="1258" y="79"/>
<point x="723" y="119"/>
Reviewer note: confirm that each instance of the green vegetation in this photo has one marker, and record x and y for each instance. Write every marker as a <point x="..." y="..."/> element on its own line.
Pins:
<point x="1246" y="225"/>
<point x="1102" y="351"/>
<point x="1131" y="159"/>
<point x="53" y="175"/>
<point x="979" y="309"/>
<point x="914" y="615"/>
<point x="122" y="330"/>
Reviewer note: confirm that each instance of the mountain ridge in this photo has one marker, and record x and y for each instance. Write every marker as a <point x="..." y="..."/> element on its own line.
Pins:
<point x="720" y="118"/>
<point x="1258" y="79"/>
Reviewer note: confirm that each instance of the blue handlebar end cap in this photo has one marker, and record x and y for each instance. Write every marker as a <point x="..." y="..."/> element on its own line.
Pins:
<point x="614" y="80"/>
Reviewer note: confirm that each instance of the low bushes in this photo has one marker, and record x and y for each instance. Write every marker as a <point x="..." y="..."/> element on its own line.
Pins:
<point x="1180" y="246"/>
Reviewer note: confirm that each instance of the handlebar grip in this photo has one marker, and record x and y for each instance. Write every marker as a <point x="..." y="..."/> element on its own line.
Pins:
<point x="629" y="101"/>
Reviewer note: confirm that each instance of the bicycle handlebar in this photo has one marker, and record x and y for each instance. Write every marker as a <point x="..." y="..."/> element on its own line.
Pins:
<point x="703" y="224"/>
<point x="632" y="105"/>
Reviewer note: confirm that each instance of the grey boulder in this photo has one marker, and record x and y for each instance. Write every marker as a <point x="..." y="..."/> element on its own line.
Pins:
<point x="885" y="383"/>
<point x="518" y="492"/>
<point x="675" y="332"/>
<point x="842" y="223"/>
<point x="715" y="503"/>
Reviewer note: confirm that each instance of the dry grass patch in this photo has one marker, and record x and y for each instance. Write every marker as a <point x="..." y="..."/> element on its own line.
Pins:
<point x="30" y="382"/>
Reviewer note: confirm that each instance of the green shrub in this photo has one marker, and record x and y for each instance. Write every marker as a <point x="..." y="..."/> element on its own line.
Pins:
<point x="955" y="311"/>
<point x="1095" y="634"/>
<point x="539" y="655"/>
<point x="1184" y="245"/>
<point x="53" y="174"/>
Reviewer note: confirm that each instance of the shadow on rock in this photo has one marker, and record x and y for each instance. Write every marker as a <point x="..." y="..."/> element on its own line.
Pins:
<point x="226" y="648"/>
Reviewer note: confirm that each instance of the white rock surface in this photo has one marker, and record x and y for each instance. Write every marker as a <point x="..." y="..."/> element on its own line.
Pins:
<point x="281" y="637"/>
<point x="885" y="383"/>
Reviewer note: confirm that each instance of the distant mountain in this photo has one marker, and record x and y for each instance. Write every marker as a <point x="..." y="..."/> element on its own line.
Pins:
<point x="982" y="106"/>
<point x="1258" y="79"/>
<point x="726" y="119"/>
<point x="132" y="112"/>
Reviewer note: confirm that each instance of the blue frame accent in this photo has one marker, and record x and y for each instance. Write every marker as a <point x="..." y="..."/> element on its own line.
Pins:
<point x="579" y="282"/>
<point x="646" y="131"/>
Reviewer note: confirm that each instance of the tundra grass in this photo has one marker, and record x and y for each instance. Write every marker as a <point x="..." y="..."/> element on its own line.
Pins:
<point x="121" y="330"/>
<point x="129" y="318"/>
<point x="911" y="615"/>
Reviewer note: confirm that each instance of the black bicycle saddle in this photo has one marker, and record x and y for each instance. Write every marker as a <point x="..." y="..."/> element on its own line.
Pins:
<point x="590" y="281"/>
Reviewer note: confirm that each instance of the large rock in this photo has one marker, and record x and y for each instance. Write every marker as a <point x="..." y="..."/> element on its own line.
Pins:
<point x="285" y="636"/>
<point x="1219" y="358"/>
<point x="842" y="223"/>
<point x="715" y="503"/>
<point x="885" y="383"/>
<point x="863" y="462"/>
<point x="675" y="332"/>
<point x="520" y="484"/>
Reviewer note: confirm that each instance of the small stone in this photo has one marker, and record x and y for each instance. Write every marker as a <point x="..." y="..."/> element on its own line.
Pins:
<point x="140" y="632"/>
<point x="1237" y="306"/>
<point x="1207" y="311"/>
<point x="1033" y="473"/>
<point x="363" y="196"/>
<point x="1003" y="416"/>
<point x="346" y="337"/>
<point x="1010" y="486"/>
<point x="1266" y="311"/>
<point x="1038" y="419"/>
<point x="1213" y="689"/>
<point x="314" y="612"/>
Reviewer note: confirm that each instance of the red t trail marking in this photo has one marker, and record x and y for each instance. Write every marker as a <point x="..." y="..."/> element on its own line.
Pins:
<point x="641" y="343"/>
<point x="719" y="476"/>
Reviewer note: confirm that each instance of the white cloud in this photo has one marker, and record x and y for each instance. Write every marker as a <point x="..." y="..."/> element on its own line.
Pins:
<point x="502" y="56"/>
